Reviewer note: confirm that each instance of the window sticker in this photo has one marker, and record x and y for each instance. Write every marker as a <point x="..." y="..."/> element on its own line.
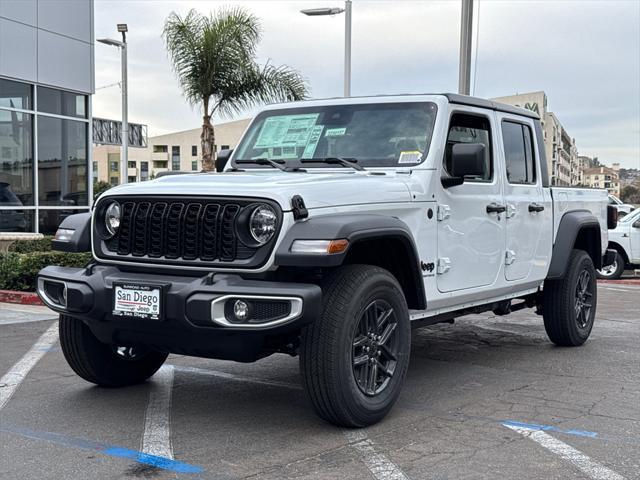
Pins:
<point x="286" y="131"/>
<point x="410" y="157"/>
<point x="314" y="138"/>
<point x="335" y="132"/>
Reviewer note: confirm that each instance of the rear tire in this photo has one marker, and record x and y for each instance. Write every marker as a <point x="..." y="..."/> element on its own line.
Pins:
<point x="569" y="307"/>
<point x="354" y="358"/>
<point x="103" y="364"/>
<point x="613" y="271"/>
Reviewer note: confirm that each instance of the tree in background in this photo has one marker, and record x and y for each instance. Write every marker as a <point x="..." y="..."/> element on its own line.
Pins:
<point x="99" y="187"/>
<point x="214" y="58"/>
<point x="631" y="194"/>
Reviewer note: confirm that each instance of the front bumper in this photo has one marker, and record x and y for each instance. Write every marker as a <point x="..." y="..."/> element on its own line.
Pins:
<point x="186" y="325"/>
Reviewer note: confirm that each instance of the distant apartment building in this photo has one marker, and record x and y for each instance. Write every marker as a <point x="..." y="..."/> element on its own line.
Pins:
<point x="562" y="155"/>
<point x="603" y="177"/>
<point x="173" y="151"/>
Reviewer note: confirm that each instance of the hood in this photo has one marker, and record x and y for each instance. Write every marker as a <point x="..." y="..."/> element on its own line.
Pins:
<point x="318" y="189"/>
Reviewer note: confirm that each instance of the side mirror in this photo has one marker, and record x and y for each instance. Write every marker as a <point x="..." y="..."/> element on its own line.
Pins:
<point x="222" y="159"/>
<point x="467" y="160"/>
<point x="612" y="217"/>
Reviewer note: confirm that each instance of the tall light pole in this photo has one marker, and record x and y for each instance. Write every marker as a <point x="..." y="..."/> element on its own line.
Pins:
<point x="317" y="12"/>
<point x="466" y="30"/>
<point x="122" y="45"/>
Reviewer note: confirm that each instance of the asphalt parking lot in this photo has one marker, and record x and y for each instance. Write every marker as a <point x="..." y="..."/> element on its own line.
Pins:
<point x="487" y="397"/>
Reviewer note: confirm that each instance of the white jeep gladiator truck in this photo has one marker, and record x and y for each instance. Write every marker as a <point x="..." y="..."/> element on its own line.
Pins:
<point x="332" y="229"/>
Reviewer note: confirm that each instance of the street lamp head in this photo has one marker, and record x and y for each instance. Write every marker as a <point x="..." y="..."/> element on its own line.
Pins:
<point x="122" y="27"/>
<point x="111" y="41"/>
<point x="317" y="12"/>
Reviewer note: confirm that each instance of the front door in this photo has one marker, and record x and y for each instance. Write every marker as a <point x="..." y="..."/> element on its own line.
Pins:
<point x="634" y="233"/>
<point x="471" y="227"/>
<point x="529" y="211"/>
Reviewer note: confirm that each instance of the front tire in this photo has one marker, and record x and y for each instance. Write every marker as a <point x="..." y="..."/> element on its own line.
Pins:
<point x="569" y="307"/>
<point x="613" y="271"/>
<point x="103" y="364"/>
<point x="354" y="358"/>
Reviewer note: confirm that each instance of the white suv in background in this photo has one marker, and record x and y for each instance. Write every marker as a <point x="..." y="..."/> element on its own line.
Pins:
<point x="625" y="240"/>
<point x="623" y="208"/>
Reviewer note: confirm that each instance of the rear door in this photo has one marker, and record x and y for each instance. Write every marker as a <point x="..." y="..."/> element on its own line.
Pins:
<point x="529" y="210"/>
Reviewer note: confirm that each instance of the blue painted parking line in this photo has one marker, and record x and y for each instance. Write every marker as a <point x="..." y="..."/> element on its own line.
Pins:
<point x="102" y="448"/>
<point x="548" y="428"/>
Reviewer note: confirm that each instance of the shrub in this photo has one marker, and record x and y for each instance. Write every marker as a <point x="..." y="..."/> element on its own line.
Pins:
<point x="18" y="270"/>
<point x="99" y="187"/>
<point x="28" y="246"/>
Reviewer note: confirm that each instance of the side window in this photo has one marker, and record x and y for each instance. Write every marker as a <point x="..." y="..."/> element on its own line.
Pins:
<point x="518" y="153"/>
<point x="464" y="128"/>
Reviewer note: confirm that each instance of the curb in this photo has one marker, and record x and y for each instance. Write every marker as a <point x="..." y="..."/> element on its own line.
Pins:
<point x="22" y="298"/>
<point x="621" y="282"/>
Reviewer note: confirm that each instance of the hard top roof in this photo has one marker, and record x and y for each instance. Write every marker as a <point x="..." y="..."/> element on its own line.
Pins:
<point x="451" y="97"/>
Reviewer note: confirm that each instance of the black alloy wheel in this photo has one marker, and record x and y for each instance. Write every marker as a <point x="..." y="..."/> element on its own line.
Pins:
<point x="375" y="348"/>
<point x="583" y="299"/>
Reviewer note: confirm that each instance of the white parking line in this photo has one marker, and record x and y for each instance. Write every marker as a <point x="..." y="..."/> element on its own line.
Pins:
<point x="592" y="469"/>
<point x="14" y="377"/>
<point x="378" y="464"/>
<point x="156" y="439"/>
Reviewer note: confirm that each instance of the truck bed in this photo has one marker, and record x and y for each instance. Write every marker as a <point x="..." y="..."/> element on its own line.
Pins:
<point x="567" y="199"/>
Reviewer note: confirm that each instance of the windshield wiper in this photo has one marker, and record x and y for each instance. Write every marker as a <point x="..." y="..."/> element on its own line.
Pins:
<point x="345" y="162"/>
<point x="267" y="161"/>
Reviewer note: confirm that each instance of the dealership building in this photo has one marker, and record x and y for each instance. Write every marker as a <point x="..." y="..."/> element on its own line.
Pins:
<point x="46" y="82"/>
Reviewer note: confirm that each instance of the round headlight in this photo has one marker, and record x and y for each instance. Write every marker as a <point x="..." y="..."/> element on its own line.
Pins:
<point x="262" y="224"/>
<point x="112" y="218"/>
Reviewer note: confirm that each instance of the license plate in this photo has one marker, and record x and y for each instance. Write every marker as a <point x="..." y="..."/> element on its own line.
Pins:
<point x="139" y="301"/>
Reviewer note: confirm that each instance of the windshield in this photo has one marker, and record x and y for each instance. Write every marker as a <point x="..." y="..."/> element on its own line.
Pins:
<point x="375" y="135"/>
<point x="630" y="217"/>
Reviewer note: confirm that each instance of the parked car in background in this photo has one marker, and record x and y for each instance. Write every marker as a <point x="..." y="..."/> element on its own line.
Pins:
<point x="623" y="208"/>
<point x="625" y="240"/>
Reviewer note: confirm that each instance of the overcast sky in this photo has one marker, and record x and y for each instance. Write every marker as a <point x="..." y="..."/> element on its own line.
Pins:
<point x="584" y="54"/>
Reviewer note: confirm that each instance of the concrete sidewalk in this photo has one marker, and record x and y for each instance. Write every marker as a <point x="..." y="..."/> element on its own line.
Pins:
<point x="16" y="313"/>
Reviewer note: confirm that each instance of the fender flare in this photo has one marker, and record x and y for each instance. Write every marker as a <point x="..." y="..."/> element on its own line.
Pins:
<point x="80" y="240"/>
<point x="355" y="228"/>
<point x="570" y="226"/>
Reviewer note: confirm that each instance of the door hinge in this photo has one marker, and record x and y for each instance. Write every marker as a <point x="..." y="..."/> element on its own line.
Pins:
<point x="509" y="257"/>
<point x="444" y="212"/>
<point x="511" y="210"/>
<point x="444" y="265"/>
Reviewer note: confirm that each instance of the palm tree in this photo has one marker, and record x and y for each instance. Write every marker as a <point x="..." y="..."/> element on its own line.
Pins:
<point x="214" y="58"/>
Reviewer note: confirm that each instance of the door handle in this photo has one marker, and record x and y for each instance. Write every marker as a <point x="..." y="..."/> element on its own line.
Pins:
<point x="496" y="208"/>
<point x="535" y="207"/>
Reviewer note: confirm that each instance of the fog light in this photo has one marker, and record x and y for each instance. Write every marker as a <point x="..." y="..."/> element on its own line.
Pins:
<point x="241" y="310"/>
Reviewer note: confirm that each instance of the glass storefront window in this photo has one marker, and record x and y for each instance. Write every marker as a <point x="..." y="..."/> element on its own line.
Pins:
<point x="60" y="102"/>
<point x="16" y="158"/>
<point x="62" y="162"/>
<point x="51" y="219"/>
<point x="15" y="94"/>
<point x="16" y="220"/>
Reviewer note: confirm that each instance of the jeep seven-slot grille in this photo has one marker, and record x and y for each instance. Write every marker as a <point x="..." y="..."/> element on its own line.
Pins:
<point x="179" y="230"/>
